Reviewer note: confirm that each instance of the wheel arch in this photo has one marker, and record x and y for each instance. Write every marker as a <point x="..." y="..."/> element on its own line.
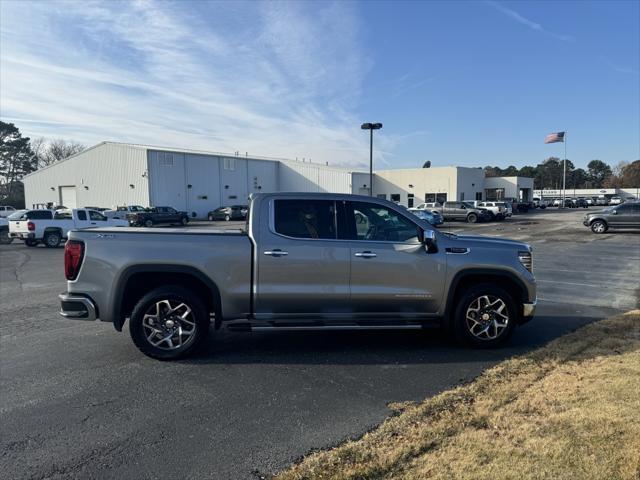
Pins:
<point x="137" y="280"/>
<point x="502" y="278"/>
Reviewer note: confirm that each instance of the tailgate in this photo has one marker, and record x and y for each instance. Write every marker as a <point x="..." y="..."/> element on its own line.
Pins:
<point x="19" y="226"/>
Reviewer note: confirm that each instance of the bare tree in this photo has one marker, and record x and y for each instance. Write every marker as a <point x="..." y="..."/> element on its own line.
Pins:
<point x="54" y="151"/>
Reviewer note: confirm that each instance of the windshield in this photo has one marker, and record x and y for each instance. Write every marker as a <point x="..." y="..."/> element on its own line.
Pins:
<point x="468" y="205"/>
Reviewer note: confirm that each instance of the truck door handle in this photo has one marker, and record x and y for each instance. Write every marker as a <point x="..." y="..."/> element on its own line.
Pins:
<point x="365" y="254"/>
<point x="276" y="253"/>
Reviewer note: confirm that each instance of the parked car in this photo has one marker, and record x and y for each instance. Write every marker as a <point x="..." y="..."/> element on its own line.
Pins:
<point x="540" y="203"/>
<point x="233" y="212"/>
<point x="581" y="203"/>
<point x="429" y="206"/>
<point x="124" y="211"/>
<point x="434" y="219"/>
<point x="602" y="201"/>
<point x="616" y="200"/>
<point x="289" y="272"/>
<point x="4" y="232"/>
<point x="5" y="211"/>
<point x="570" y="203"/>
<point x="463" y="211"/>
<point x="626" y="215"/>
<point x="497" y="209"/>
<point x="557" y="202"/>
<point x="37" y="226"/>
<point x="158" y="216"/>
<point x="508" y="208"/>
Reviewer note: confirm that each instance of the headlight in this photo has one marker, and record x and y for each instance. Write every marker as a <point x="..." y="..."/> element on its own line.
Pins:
<point x="526" y="260"/>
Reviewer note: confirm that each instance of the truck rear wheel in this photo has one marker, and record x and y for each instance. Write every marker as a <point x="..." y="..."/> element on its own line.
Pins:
<point x="485" y="316"/>
<point x="168" y="323"/>
<point x="5" y="239"/>
<point x="52" y="239"/>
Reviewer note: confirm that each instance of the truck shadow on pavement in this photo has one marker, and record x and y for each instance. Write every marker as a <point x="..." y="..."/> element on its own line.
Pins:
<point x="374" y="347"/>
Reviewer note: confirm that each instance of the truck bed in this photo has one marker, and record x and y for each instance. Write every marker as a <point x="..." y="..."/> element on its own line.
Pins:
<point x="114" y="255"/>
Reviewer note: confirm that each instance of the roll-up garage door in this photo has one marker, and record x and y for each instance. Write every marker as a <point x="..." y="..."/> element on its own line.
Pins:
<point x="68" y="196"/>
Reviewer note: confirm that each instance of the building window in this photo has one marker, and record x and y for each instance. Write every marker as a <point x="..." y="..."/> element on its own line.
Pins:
<point x="462" y="196"/>
<point x="395" y="197"/>
<point x="478" y="195"/>
<point x="435" y="197"/>
<point x="165" y="159"/>
<point x="229" y="163"/>
<point x="410" y="200"/>
<point x="383" y="196"/>
<point x="494" y="193"/>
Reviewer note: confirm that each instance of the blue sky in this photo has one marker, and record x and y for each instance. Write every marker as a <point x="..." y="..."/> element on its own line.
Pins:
<point x="464" y="83"/>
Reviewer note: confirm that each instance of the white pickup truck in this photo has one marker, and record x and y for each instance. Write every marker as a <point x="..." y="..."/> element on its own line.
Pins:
<point x="51" y="227"/>
<point x="123" y="212"/>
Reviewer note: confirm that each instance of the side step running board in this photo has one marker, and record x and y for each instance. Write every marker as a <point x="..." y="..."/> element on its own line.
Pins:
<point x="247" y="327"/>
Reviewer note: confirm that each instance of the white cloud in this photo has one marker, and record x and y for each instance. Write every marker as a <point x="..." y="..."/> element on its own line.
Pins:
<point x="279" y="79"/>
<point x="525" y="21"/>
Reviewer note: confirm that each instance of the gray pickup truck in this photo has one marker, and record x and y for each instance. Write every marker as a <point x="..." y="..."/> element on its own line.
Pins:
<point x="463" y="211"/>
<point x="304" y="262"/>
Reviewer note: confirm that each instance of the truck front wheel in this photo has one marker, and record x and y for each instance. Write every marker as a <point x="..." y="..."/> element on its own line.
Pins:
<point x="168" y="323"/>
<point x="148" y="223"/>
<point x="472" y="218"/>
<point x="485" y="316"/>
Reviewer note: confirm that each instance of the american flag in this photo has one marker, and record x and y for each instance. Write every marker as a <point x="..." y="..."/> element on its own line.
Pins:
<point x="554" y="137"/>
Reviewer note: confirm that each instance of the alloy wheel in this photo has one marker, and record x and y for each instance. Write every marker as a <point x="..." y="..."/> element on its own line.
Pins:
<point x="169" y="325"/>
<point x="487" y="317"/>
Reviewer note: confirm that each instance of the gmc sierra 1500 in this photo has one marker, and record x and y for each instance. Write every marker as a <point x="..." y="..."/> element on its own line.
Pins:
<point x="306" y="261"/>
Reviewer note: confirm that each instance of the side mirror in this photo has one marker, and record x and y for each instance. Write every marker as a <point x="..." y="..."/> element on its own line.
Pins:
<point x="614" y="212"/>
<point x="429" y="241"/>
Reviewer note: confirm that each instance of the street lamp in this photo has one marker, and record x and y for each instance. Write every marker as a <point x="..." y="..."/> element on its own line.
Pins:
<point x="371" y="127"/>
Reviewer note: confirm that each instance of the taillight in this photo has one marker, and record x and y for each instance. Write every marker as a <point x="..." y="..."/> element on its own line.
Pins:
<point x="31" y="226"/>
<point x="73" y="255"/>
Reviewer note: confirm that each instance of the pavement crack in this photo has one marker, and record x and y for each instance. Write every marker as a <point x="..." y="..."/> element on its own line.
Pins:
<point x="16" y="270"/>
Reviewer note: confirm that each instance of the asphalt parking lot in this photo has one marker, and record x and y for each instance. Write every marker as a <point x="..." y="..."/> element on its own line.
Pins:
<point x="79" y="401"/>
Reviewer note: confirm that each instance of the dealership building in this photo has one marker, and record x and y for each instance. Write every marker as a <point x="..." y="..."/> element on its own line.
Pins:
<point x="111" y="174"/>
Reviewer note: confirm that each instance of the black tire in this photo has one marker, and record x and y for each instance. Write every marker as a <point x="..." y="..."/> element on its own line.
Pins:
<point x="148" y="223"/>
<point x="500" y="218"/>
<point x="52" y="239"/>
<point x="227" y="218"/>
<point x="462" y="328"/>
<point x="599" y="226"/>
<point x="5" y="239"/>
<point x="472" y="218"/>
<point x="31" y="243"/>
<point x="211" y="218"/>
<point x="184" y="221"/>
<point x="175" y="295"/>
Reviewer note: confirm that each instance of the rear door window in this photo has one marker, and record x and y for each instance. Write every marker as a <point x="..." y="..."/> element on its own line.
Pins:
<point x="82" y="215"/>
<point x="315" y="219"/>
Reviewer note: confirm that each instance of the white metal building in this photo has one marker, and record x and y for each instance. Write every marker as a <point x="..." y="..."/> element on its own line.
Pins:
<point x="111" y="174"/>
<point x="413" y="186"/>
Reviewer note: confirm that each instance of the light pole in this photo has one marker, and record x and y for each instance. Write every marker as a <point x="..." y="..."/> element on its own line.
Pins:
<point x="371" y="127"/>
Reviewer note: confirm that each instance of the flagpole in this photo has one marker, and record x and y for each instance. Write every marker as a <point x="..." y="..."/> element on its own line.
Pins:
<point x="564" y="170"/>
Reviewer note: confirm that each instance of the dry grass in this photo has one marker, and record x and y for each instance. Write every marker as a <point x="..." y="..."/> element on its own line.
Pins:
<point x="569" y="410"/>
